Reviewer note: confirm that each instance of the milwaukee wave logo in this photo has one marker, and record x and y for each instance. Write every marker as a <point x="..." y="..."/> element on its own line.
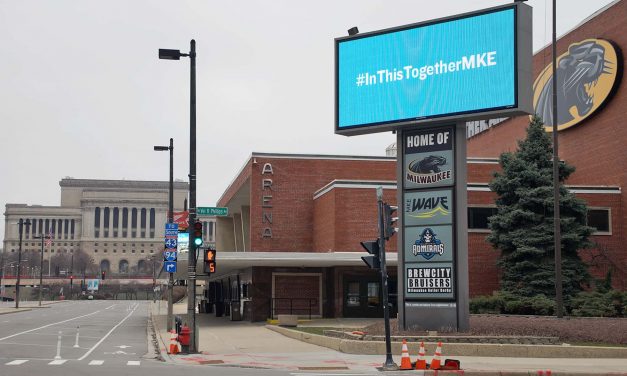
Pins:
<point x="428" y="170"/>
<point x="427" y="207"/>
<point x="428" y="245"/>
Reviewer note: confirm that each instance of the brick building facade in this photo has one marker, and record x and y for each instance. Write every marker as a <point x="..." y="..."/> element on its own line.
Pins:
<point x="291" y="240"/>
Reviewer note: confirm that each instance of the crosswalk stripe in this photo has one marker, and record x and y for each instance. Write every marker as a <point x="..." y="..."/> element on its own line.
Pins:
<point x="17" y="362"/>
<point x="96" y="362"/>
<point x="57" y="362"/>
<point x="132" y="363"/>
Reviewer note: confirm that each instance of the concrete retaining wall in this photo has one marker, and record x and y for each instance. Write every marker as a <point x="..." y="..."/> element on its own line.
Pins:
<point x="458" y="349"/>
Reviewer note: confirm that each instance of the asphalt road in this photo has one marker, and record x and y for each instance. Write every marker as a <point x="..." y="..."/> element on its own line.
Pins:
<point x="89" y="337"/>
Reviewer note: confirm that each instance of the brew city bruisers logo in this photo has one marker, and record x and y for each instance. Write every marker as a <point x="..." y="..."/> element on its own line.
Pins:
<point x="586" y="77"/>
<point x="428" y="245"/>
<point x="427" y="170"/>
<point x="427" y="207"/>
<point x="429" y="280"/>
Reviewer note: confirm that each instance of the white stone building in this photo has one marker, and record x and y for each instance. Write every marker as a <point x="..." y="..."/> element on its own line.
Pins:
<point x="120" y="223"/>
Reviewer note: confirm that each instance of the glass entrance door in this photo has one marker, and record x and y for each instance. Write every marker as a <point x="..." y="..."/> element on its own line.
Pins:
<point x="362" y="297"/>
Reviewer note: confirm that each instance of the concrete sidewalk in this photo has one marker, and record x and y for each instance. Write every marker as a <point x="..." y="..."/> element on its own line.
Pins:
<point x="244" y="344"/>
<point x="9" y="307"/>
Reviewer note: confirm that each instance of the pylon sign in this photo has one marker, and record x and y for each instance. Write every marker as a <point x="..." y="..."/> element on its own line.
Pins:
<point x="433" y="269"/>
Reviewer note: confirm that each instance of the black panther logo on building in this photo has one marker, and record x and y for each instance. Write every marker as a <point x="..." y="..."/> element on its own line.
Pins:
<point x="579" y="73"/>
<point x="427" y="165"/>
<point x="427" y="170"/>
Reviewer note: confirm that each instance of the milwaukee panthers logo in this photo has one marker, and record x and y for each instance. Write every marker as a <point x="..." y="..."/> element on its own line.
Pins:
<point x="586" y="76"/>
<point x="428" y="245"/>
<point x="428" y="170"/>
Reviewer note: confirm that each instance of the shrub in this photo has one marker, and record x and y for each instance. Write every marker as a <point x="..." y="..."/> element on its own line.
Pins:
<point x="612" y="303"/>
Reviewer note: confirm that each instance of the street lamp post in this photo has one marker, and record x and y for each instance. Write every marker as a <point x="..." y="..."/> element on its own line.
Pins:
<point x="21" y="223"/>
<point x="191" y="279"/>
<point x="41" y="263"/>
<point x="170" y="318"/>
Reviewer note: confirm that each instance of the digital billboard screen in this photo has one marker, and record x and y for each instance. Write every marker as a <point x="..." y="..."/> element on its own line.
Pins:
<point x="455" y="66"/>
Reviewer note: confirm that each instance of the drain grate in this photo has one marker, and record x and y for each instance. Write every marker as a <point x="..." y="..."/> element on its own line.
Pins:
<point x="322" y="368"/>
<point x="216" y="361"/>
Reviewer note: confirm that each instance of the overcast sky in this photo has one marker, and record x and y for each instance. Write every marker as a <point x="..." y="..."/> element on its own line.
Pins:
<point x="83" y="93"/>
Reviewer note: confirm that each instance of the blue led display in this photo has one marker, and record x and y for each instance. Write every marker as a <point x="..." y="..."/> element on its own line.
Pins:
<point x="457" y="66"/>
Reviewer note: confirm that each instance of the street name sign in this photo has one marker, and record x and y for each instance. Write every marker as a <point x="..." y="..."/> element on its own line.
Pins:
<point x="210" y="211"/>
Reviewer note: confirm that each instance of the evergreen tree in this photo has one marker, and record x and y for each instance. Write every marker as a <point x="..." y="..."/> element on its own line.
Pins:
<point x="522" y="229"/>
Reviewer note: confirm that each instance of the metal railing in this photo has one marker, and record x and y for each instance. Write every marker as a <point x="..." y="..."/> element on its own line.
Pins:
<point x="291" y="306"/>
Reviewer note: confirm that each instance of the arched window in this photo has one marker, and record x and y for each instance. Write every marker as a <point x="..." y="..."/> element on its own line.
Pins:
<point x="105" y="265"/>
<point x="123" y="267"/>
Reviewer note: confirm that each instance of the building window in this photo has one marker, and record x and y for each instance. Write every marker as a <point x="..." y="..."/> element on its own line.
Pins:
<point x="143" y="223"/>
<point x="600" y="220"/>
<point x="72" y="229"/>
<point x="106" y="222"/>
<point x="152" y="222"/>
<point x="52" y="227"/>
<point x="66" y="227"/>
<point x="96" y="223"/>
<point x="116" y="221"/>
<point x="478" y="217"/>
<point x="41" y="227"/>
<point x="134" y="223"/>
<point x="33" y="227"/>
<point x="59" y="229"/>
<point x="124" y="222"/>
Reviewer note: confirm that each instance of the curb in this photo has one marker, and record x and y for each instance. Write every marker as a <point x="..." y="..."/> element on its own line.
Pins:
<point x="159" y="340"/>
<point x="16" y="311"/>
<point x="459" y="349"/>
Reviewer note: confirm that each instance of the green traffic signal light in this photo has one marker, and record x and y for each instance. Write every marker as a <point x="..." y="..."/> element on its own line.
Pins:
<point x="198" y="234"/>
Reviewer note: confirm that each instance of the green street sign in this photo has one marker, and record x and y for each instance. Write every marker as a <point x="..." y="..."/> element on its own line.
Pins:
<point x="219" y="212"/>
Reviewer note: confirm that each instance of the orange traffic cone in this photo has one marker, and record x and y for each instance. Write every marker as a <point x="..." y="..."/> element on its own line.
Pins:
<point x="405" y="361"/>
<point x="174" y="345"/>
<point x="421" y="363"/>
<point x="435" y="362"/>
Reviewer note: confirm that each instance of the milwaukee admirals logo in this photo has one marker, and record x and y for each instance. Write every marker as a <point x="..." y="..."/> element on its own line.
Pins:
<point x="428" y="245"/>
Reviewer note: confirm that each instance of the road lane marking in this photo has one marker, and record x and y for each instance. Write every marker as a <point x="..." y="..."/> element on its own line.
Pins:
<point x="45" y="326"/>
<point x="111" y="306"/>
<point x="57" y="362"/>
<point x="106" y="335"/>
<point x="16" y="362"/>
<point x="133" y="363"/>
<point x="96" y="363"/>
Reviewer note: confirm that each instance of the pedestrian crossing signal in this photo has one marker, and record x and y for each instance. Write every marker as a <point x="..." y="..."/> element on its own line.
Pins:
<point x="210" y="261"/>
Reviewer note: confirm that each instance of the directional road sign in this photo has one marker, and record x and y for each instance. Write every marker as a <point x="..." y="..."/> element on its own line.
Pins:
<point x="170" y="243"/>
<point x="218" y="212"/>
<point x="170" y="266"/>
<point x="169" y="255"/>
<point x="171" y="229"/>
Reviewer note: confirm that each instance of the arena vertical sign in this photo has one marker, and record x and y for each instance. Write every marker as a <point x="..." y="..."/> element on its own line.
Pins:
<point x="425" y="81"/>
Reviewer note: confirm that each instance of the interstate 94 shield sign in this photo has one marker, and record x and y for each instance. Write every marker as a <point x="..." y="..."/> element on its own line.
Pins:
<point x="429" y="158"/>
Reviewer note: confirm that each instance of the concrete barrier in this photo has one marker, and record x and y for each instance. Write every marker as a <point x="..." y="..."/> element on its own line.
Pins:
<point x="458" y="349"/>
<point x="288" y="320"/>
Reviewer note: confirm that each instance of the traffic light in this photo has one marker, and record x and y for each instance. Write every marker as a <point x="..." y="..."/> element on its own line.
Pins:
<point x="197" y="234"/>
<point x="389" y="221"/>
<point x="210" y="261"/>
<point x="373" y="262"/>
<point x="103" y="274"/>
